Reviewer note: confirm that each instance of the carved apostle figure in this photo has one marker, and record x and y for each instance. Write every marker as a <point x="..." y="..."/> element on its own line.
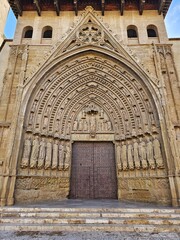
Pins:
<point x="85" y="125"/>
<point x="150" y="156"/>
<point x="31" y="118"/>
<point x="48" y="154"/>
<point x="157" y="153"/>
<point x="80" y="128"/>
<point x="45" y="122"/>
<point x="127" y="125"/>
<point x="61" y="156"/>
<point x="137" y="161"/>
<point x="83" y="114"/>
<point x="68" y="128"/>
<point x="33" y="109"/>
<point x="26" y="153"/>
<point x="130" y="156"/>
<point x="109" y="128"/>
<point x="55" y="155"/>
<point x="75" y="125"/>
<point x="142" y="154"/>
<point x="118" y="158"/>
<point x="57" y="125"/>
<point x="42" y="154"/>
<point x="105" y="125"/>
<point x="35" y="153"/>
<point x="124" y="156"/>
<point x="67" y="157"/>
<point x="102" y="113"/>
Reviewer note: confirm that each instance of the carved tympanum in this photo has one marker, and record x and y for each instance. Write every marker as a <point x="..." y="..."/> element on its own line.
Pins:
<point x="92" y="119"/>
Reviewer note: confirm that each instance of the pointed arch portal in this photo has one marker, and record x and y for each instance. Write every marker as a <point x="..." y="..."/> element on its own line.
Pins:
<point x="91" y="92"/>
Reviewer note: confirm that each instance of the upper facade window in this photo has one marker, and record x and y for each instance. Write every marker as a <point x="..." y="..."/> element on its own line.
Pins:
<point x="152" y="31"/>
<point x="47" y="32"/>
<point x="132" y="32"/>
<point x="28" y="32"/>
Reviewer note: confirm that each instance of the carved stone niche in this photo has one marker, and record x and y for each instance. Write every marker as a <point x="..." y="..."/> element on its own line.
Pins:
<point x="92" y="119"/>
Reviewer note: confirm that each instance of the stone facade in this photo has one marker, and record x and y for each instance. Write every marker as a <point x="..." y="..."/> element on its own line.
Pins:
<point x="3" y="16"/>
<point x="90" y="82"/>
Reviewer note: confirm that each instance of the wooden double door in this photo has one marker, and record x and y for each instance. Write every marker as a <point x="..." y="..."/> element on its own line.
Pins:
<point x="93" y="172"/>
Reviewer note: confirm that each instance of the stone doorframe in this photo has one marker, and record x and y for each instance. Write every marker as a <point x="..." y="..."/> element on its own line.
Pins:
<point x="93" y="77"/>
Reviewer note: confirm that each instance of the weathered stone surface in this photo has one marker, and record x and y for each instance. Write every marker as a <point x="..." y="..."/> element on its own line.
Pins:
<point x="88" y="84"/>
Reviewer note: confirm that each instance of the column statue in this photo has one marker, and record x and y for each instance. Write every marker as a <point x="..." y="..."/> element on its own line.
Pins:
<point x="118" y="158"/>
<point x="61" y="156"/>
<point x="130" y="156"/>
<point x="48" y="154"/>
<point x="67" y="157"/>
<point x="124" y="156"/>
<point x="42" y="154"/>
<point x="26" y="153"/>
<point x="137" y="161"/>
<point x="55" y="155"/>
<point x="157" y="153"/>
<point x="150" y="156"/>
<point x="35" y="152"/>
<point x="142" y="154"/>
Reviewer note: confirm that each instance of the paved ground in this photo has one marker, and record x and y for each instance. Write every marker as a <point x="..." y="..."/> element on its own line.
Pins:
<point x="87" y="236"/>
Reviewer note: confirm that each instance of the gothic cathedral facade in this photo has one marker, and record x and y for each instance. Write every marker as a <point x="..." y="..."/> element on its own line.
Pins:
<point x="90" y="104"/>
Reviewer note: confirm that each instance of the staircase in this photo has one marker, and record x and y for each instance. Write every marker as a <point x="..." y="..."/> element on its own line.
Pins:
<point x="154" y="220"/>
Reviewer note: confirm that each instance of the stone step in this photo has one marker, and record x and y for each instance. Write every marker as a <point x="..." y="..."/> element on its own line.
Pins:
<point x="88" y="220"/>
<point x="91" y="210"/>
<point x="90" y="227"/>
<point x="88" y="214"/>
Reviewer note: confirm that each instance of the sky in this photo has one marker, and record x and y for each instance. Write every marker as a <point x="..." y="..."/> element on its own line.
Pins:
<point x="172" y="22"/>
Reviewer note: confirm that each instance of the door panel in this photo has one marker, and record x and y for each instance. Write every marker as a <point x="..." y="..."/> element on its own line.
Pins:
<point x="93" y="171"/>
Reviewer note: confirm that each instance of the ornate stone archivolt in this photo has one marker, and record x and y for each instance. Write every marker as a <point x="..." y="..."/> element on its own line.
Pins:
<point x="91" y="95"/>
<point x="92" y="80"/>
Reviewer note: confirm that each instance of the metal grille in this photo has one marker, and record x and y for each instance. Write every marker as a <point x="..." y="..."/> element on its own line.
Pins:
<point x="93" y="173"/>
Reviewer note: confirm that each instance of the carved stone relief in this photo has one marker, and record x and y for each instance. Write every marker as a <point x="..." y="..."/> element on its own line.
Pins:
<point x="91" y="96"/>
<point x="92" y="119"/>
<point x="142" y="153"/>
<point x="53" y="110"/>
<point x="90" y="33"/>
<point x="40" y="152"/>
